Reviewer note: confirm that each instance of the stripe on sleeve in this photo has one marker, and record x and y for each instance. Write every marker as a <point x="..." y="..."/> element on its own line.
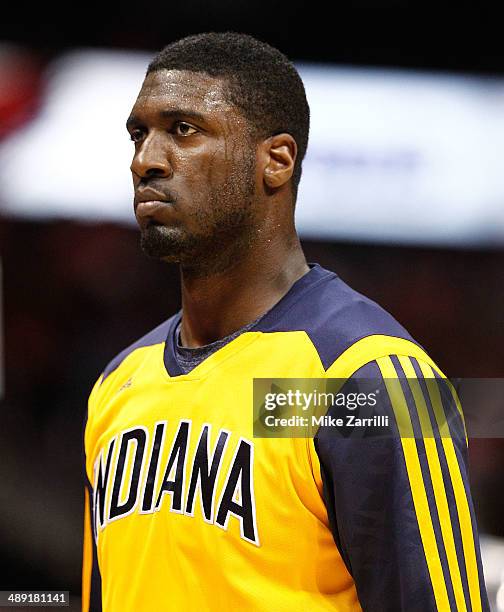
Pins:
<point x="416" y="481"/>
<point x="436" y="476"/>
<point x="462" y="504"/>
<point x="369" y="348"/>
<point x="454" y="397"/>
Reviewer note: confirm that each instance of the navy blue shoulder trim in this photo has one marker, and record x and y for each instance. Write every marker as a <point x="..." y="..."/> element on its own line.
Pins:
<point x="334" y="315"/>
<point x="155" y="336"/>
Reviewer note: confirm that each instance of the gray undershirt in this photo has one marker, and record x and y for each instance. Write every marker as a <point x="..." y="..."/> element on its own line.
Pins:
<point x="189" y="358"/>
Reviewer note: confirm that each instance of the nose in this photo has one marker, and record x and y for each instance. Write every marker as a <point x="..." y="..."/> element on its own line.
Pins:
<point x="151" y="158"/>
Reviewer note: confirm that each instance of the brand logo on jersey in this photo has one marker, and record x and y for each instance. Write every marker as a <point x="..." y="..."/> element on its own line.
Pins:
<point x="150" y="484"/>
<point x="127" y="384"/>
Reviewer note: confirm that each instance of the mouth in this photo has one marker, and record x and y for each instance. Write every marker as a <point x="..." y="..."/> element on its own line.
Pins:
<point x="153" y="212"/>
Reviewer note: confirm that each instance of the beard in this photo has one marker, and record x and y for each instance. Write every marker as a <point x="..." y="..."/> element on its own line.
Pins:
<point x="225" y="225"/>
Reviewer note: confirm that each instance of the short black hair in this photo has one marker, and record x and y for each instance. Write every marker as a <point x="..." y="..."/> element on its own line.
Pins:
<point x="262" y="82"/>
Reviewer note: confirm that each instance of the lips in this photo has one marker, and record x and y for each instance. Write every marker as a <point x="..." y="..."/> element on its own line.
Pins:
<point x="153" y="206"/>
<point x="152" y="211"/>
<point x="151" y="195"/>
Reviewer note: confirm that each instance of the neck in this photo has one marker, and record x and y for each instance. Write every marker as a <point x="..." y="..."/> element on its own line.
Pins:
<point x="216" y="305"/>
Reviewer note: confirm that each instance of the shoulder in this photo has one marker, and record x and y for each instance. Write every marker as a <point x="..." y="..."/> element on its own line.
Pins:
<point x="335" y="316"/>
<point x="155" y="336"/>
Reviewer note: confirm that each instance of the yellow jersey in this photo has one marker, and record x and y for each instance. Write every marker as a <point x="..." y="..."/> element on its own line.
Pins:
<point x="186" y="509"/>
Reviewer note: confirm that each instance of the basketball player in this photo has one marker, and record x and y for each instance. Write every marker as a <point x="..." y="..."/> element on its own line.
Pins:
<point x="185" y="508"/>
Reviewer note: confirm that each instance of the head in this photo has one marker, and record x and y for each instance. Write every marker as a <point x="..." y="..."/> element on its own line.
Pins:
<point x="220" y="128"/>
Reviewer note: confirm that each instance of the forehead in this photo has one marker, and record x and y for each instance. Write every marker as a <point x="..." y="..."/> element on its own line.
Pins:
<point x="174" y="89"/>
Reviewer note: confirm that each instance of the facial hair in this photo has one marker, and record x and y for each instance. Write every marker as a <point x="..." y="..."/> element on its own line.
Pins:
<point x="225" y="222"/>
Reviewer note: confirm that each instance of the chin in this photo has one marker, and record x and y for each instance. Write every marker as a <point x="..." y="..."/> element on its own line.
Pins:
<point x="161" y="242"/>
<point x="169" y="244"/>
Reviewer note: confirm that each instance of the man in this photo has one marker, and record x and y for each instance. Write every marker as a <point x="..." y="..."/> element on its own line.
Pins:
<point x="185" y="508"/>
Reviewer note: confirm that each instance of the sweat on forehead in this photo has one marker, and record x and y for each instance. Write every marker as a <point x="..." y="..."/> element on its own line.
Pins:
<point x="186" y="86"/>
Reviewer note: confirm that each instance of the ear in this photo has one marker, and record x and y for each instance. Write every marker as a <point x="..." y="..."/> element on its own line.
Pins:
<point x="279" y="154"/>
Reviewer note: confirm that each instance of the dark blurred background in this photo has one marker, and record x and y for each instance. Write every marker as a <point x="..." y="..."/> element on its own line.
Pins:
<point x="76" y="291"/>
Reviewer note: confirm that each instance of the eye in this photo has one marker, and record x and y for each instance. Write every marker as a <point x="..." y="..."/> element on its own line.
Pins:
<point x="182" y="128"/>
<point x="136" y="135"/>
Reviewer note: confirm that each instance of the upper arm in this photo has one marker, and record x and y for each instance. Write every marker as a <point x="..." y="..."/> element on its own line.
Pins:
<point x="91" y="578"/>
<point x="399" y="505"/>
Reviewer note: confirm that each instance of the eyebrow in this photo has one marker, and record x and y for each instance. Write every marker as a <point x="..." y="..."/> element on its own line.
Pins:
<point x="169" y="114"/>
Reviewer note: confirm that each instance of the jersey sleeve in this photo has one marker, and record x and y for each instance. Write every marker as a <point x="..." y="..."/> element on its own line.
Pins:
<point x="399" y="505"/>
<point x="91" y="578"/>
